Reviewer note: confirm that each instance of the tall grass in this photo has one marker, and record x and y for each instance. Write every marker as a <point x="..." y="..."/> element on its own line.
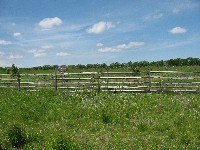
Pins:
<point x="54" y="120"/>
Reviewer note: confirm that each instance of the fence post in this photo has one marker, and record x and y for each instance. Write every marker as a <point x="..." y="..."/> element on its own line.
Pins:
<point x="149" y="77"/>
<point x="107" y="80"/>
<point x="98" y="82"/>
<point x="56" y="84"/>
<point x="18" y="81"/>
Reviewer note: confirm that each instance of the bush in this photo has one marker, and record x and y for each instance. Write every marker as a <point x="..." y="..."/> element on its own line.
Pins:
<point x="1" y="146"/>
<point x="62" y="143"/>
<point x="185" y="139"/>
<point x="17" y="136"/>
<point x="142" y="127"/>
<point x="13" y="70"/>
<point x="106" y="118"/>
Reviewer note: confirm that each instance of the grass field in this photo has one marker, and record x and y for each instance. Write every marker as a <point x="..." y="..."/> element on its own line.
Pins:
<point x="58" y="120"/>
<point x="175" y="68"/>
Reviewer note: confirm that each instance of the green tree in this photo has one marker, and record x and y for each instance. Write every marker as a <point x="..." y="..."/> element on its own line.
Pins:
<point x="14" y="71"/>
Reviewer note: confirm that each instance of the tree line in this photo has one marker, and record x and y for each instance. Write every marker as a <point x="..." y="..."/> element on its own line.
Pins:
<point x="117" y="65"/>
<point x="167" y="63"/>
<point x="162" y="63"/>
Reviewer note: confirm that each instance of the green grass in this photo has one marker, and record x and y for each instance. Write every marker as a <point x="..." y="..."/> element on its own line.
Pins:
<point x="59" y="120"/>
<point x="142" y="69"/>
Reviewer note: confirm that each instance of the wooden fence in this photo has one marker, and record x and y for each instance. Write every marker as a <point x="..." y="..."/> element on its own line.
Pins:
<point x="149" y="81"/>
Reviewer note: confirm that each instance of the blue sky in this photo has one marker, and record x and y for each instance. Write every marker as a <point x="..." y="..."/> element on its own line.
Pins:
<point x="48" y="32"/>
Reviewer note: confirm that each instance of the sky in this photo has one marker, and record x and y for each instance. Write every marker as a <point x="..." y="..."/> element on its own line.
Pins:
<point x="71" y="32"/>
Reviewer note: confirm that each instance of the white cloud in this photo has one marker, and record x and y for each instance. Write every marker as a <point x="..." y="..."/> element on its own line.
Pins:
<point x="185" y="5"/>
<point x="37" y="52"/>
<point x="1" y="54"/>
<point x="109" y="49"/>
<point x="99" y="44"/>
<point x="175" y="10"/>
<point x="177" y="30"/>
<point x="121" y="47"/>
<point x="4" y="42"/>
<point x="153" y="16"/>
<point x="167" y="45"/>
<point x="15" y="56"/>
<point x="158" y="16"/>
<point x="17" y="34"/>
<point x="13" y="24"/>
<point x="62" y="54"/>
<point x="47" y="46"/>
<point x="100" y="27"/>
<point x="49" y="23"/>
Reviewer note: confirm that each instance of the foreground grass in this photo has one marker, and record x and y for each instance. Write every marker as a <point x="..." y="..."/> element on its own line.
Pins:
<point x="54" y="120"/>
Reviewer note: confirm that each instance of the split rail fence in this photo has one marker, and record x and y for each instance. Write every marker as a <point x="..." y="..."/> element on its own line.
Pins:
<point x="149" y="81"/>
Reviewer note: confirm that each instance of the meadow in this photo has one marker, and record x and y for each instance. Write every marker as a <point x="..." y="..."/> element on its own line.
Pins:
<point x="49" y="119"/>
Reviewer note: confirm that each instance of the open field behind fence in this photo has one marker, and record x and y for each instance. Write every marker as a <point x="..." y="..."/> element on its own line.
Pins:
<point x="149" y="81"/>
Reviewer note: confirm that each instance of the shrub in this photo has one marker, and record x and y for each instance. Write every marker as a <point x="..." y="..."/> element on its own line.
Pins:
<point x="17" y="136"/>
<point x="4" y="144"/>
<point x="142" y="127"/>
<point x="106" y="118"/>
<point x="62" y="143"/>
<point x="185" y="139"/>
<point x="1" y="146"/>
<point x="14" y="71"/>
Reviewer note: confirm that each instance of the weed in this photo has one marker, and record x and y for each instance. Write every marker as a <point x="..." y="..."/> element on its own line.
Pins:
<point x="17" y="136"/>
<point x="142" y="127"/>
<point x="103" y="121"/>
<point x="62" y="143"/>
<point x="106" y="118"/>
<point x="1" y="145"/>
<point x="185" y="139"/>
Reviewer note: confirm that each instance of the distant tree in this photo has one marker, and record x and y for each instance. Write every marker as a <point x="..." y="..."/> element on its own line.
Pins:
<point x="14" y="70"/>
<point x="88" y="66"/>
<point x="8" y="70"/>
<point x="115" y="65"/>
<point x="103" y="65"/>
<point x="55" y="67"/>
<point x="79" y="66"/>
<point x="72" y="67"/>
<point x="47" y="67"/>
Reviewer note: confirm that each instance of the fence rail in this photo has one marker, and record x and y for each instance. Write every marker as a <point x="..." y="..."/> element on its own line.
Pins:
<point x="149" y="81"/>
